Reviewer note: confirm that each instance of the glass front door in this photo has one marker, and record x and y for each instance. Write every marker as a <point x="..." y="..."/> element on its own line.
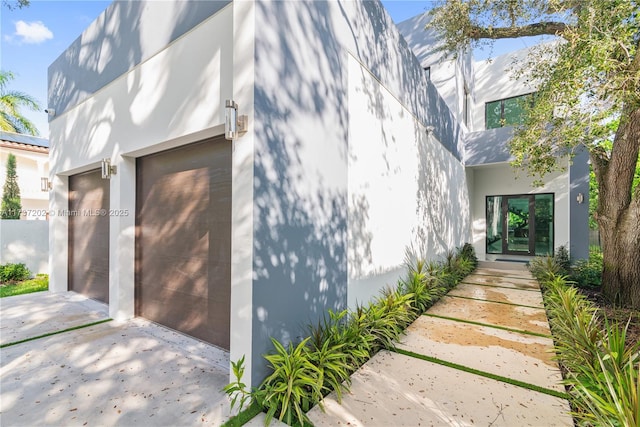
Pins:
<point x="520" y="225"/>
<point x="518" y="213"/>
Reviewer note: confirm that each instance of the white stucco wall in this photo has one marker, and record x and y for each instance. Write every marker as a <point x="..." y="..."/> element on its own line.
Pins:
<point x="496" y="79"/>
<point x="500" y="180"/>
<point x="25" y="242"/>
<point x="30" y="167"/>
<point x="406" y="191"/>
<point x="174" y="97"/>
<point x="449" y="75"/>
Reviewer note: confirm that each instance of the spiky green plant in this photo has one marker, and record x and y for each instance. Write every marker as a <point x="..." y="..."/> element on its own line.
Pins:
<point x="607" y="394"/>
<point x="293" y="387"/>
<point x="237" y="390"/>
<point x="544" y="268"/>
<point x="601" y="369"/>
<point x="333" y="368"/>
<point x="575" y="323"/>
<point x="387" y="317"/>
<point x="417" y="284"/>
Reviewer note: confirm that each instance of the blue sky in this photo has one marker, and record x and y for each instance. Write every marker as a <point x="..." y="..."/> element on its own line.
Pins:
<point x="33" y="37"/>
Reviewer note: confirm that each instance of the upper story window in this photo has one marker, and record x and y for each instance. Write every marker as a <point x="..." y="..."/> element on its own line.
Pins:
<point x="506" y="112"/>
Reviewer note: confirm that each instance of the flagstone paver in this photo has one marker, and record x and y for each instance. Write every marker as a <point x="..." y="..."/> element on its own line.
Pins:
<point x="498" y="294"/>
<point x="397" y="390"/>
<point x="514" y="355"/>
<point x="406" y="390"/>
<point x="511" y="316"/>
<point x="508" y="282"/>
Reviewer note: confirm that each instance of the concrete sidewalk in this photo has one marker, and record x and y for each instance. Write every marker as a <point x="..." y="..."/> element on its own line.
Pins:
<point x="130" y="373"/>
<point x="492" y="325"/>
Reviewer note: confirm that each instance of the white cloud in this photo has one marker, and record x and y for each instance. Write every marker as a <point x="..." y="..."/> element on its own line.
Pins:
<point x="32" y="32"/>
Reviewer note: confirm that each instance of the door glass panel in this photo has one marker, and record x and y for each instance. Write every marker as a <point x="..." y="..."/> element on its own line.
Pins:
<point x="518" y="224"/>
<point x="544" y="224"/>
<point x="494" y="224"/>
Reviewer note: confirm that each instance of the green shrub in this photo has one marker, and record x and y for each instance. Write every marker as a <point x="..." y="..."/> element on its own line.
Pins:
<point x="562" y="258"/>
<point x="588" y="273"/>
<point x="386" y="318"/>
<point x="334" y="370"/>
<point x="14" y="273"/>
<point x="469" y="253"/>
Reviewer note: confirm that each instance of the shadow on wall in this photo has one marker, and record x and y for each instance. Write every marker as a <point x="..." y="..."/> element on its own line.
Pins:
<point x="301" y="200"/>
<point x="25" y="242"/>
<point x="489" y="146"/>
<point x="115" y="43"/>
<point x="153" y="101"/>
<point x="300" y="194"/>
<point x="443" y="202"/>
<point x="388" y="56"/>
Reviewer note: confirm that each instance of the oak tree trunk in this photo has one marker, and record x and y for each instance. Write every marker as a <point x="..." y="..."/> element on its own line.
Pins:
<point x="618" y="214"/>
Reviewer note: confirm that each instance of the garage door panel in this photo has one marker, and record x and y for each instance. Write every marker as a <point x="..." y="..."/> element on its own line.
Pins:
<point x="183" y="239"/>
<point x="88" y="264"/>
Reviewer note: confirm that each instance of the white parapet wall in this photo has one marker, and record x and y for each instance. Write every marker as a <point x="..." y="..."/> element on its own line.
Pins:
<point x="25" y="242"/>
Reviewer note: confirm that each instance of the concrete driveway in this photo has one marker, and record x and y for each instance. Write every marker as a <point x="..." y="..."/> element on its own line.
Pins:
<point x="114" y="373"/>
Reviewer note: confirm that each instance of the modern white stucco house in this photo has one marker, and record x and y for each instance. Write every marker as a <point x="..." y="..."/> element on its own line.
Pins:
<point x="32" y="164"/>
<point x="26" y="240"/>
<point x="351" y="156"/>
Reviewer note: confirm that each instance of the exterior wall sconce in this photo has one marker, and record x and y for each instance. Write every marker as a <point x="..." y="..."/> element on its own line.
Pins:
<point x="45" y="185"/>
<point x="234" y="125"/>
<point x="580" y="198"/>
<point x="107" y="169"/>
<point x="429" y="130"/>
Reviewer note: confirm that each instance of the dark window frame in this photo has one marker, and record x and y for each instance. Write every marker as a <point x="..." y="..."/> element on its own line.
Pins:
<point x="502" y="101"/>
<point x="532" y="196"/>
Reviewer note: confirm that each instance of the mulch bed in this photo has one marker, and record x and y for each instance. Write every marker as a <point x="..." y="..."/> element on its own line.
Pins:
<point x="617" y="314"/>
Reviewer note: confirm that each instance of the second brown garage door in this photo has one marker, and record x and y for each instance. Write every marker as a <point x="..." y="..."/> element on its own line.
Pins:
<point x="89" y="235"/>
<point x="183" y="239"/>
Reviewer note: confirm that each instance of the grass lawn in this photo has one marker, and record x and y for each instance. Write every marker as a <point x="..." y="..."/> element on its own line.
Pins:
<point x="37" y="284"/>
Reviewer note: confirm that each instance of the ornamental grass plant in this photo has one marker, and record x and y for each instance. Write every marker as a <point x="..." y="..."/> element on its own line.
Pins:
<point x="599" y="365"/>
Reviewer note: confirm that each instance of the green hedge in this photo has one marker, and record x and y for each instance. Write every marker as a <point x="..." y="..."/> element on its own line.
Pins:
<point x="14" y="273"/>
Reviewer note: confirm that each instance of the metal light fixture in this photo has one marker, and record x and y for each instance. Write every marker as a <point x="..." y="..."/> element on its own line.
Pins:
<point x="429" y="130"/>
<point x="580" y="198"/>
<point x="45" y="185"/>
<point x="234" y="125"/>
<point x="107" y="169"/>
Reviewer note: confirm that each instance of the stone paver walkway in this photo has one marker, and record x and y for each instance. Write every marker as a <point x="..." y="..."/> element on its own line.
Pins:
<point x="482" y="356"/>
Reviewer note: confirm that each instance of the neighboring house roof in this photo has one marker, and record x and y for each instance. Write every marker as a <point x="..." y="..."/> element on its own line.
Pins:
<point x="24" y="142"/>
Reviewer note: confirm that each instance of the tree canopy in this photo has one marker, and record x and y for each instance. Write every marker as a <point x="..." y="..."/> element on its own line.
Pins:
<point x="588" y="94"/>
<point x="15" y="4"/>
<point x="11" y="101"/>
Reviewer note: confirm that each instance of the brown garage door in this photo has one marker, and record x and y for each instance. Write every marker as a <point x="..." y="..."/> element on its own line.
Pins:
<point x="89" y="235"/>
<point x="183" y="239"/>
